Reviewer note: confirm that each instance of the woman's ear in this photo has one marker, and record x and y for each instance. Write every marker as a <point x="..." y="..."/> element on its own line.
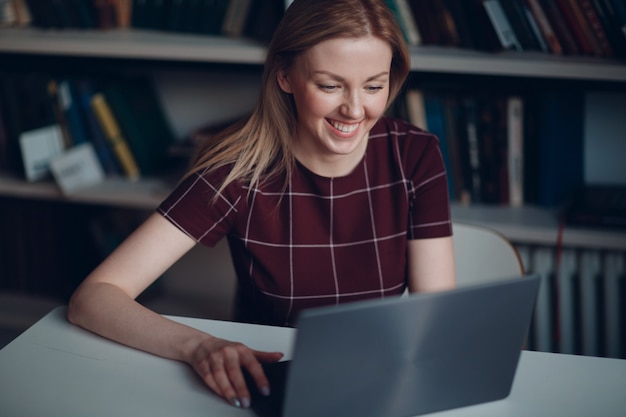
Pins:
<point x="283" y="81"/>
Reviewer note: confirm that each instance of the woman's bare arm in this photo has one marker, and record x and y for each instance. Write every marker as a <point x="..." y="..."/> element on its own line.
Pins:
<point x="431" y="264"/>
<point x="105" y="304"/>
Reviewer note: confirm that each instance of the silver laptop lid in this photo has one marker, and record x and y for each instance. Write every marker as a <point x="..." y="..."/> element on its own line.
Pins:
<point x="408" y="356"/>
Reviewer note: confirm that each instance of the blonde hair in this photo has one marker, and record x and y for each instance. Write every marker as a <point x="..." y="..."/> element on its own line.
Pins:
<point x="259" y="147"/>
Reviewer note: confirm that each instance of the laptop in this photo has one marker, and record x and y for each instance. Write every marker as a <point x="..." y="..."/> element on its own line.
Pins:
<point x="404" y="356"/>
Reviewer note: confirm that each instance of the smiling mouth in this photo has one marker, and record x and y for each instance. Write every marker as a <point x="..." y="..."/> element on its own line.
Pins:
<point x="343" y="127"/>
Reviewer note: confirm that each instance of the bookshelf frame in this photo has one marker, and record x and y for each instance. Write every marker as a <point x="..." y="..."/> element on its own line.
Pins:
<point x="525" y="225"/>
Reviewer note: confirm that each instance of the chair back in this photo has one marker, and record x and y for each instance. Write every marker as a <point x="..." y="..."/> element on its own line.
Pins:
<point x="483" y="255"/>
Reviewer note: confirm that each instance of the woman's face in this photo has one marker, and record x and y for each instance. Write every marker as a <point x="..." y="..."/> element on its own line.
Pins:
<point x="340" y="88"/>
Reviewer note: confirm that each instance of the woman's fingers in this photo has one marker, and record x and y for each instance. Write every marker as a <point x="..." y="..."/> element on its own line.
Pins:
<point x="221" y="367"/>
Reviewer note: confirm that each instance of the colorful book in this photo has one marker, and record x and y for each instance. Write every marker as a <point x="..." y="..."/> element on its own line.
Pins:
<point x="95" y="132"/>
<point x="137" y="108"/>
<point x="560" y="27"/>
<point x="114" y="134"/>
<point x="596" y="27"/>
<point x="583" y="40"/>
<point x="544" y="25"/>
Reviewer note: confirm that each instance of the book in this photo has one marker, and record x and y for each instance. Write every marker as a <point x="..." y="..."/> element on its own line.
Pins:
<point x="236" y="17"/>
<point x="422" y="12"/>
<point x="484" y="36"/>
<point x="43" y="14"/>
<point x="534" y="26"/>
<point x="460" y="12"/>
<point x="402" y="12"/>
<point x="515" y="147"/>
<point x="84" y="13"/>
<point x="616" y="32"/>
<point x="502" y="25"/>
<point x="575" y="21"/>
<point x="114" y="134"/>
<point x="434" y="109"/>
<point x="23" y="16"/>
<point x="173" y="19"/>
<point x="455" y="149"/>
<point x="139" y="14"/>
<point x="560" y="27"/>
<point x="266" y="17"/>
<point x="70" y="104"/>
<point x="487" y="132"/>
<point x="596" y="27"/>
<point x="215" y="12"/>
<point x="415" y="108"/>
<point x="123" y="13"/>
<point x="137" y="108"/>
<point x="472" y="175"/>
<point x="8" y="15"/>
<point x="559" y="161"/>
<point x="544" y="25"/>
<point x="514" y="11"/>
<point x="95" y="132"/>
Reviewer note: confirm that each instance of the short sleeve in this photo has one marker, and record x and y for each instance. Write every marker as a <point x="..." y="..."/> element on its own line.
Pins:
<point x="194" y="207"/>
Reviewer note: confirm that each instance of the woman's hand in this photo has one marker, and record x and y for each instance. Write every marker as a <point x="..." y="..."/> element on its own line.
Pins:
<point x="220" y="364"/>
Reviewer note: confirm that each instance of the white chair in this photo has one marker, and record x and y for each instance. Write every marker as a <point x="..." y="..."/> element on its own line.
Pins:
<point x="483" y="255"/>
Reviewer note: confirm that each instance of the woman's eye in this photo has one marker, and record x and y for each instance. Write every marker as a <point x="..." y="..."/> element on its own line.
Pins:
<point x="374" y="88"/>
<point x="328" y="88"/>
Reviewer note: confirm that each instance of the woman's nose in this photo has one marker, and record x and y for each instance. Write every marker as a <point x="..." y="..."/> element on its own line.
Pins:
<point x="353" y="106"/>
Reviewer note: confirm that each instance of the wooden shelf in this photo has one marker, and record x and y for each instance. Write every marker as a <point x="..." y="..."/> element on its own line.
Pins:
<point x="147" y="193"/>
<point x="536" y="225"/>
<point x="131" y="44"/>
<point x="518" y="64"/>
<point x="167" y="46"/>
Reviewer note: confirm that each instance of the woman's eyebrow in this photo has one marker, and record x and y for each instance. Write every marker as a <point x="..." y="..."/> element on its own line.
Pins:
<point x="339" y="78"/>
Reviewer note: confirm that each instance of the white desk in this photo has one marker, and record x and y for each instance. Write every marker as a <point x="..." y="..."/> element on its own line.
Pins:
<point x="56" y="369"/>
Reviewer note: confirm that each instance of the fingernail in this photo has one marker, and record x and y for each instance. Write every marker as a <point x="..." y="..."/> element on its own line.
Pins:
<point x="265" y="391"/>
<point x="235" y="401"/>
<point x="245" y="402"/>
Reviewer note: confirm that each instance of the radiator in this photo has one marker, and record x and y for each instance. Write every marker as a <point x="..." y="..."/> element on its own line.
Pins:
<point x="581" y="307"/>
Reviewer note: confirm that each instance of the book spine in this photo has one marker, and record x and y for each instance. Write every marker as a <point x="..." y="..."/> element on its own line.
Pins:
<point x="519" y="22"/>
<point x="545" y="27"/>
<point x="123" y="13"/>
<point x="569" y="9"/>
<point x="501" y="24"/>
<point x="72" y="112"/>
<point x="596" y="27"/>
<point x="404" y="16"/>
<point x="415" y="108"/>
<point x="475" y="186"/>
<point x="560" y="27"/>
<point x="515" y="134"/>
<point x="534" y="25"/>
<point x="616" y="30"/>
<point x="114" y="134"/>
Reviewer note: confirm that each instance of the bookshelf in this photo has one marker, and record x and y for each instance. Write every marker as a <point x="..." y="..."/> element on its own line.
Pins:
<point x="526" y="224"/>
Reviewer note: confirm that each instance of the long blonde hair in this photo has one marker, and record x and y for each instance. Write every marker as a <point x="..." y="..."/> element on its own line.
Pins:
<point x="259" y="147"/>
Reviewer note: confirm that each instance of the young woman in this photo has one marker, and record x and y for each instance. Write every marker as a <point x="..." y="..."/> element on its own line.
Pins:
<point x="322" y="198"/>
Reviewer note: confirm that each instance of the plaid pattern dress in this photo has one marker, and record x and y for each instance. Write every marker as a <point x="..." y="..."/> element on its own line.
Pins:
<point x="326" y="240"/>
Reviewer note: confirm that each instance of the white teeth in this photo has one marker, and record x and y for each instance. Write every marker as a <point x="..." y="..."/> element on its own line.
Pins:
<point x="344" y="128"/>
